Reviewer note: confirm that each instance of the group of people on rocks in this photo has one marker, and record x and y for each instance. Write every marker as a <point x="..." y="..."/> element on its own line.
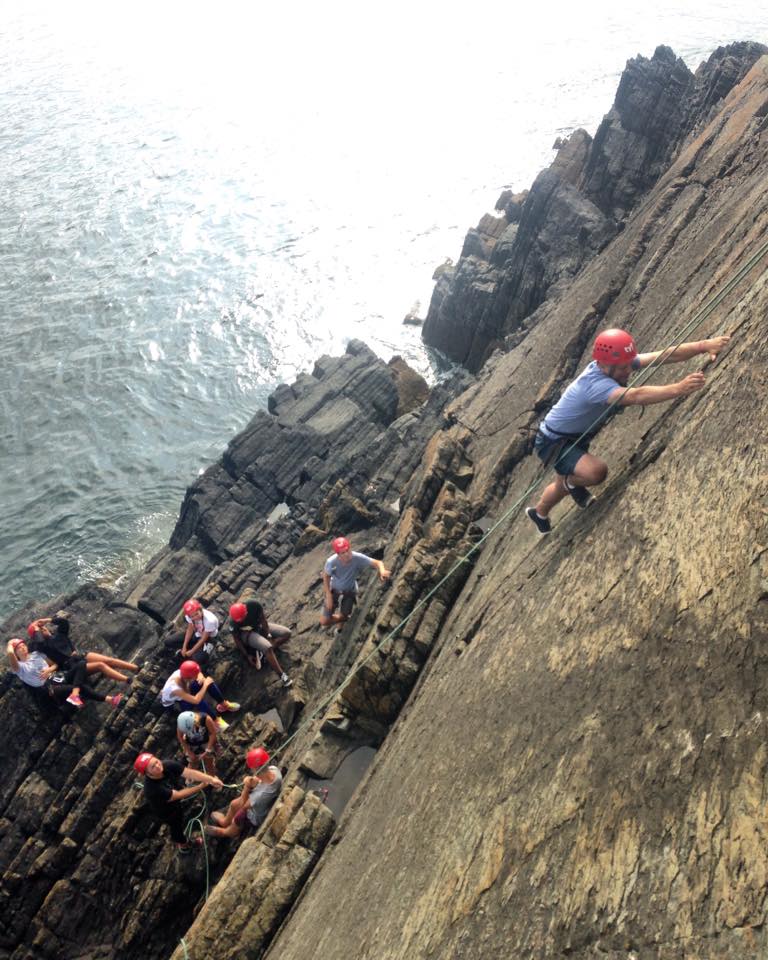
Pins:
<point x="49" y="664"/>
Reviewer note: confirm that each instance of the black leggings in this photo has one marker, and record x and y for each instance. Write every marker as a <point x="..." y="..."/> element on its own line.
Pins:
<point x="176" y="822"/>
<point x="74" y="676"/>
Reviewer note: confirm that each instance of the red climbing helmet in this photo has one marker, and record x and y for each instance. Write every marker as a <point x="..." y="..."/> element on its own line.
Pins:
<point x="615" y="347"/>
<point x="256" y="757"/>
<point x="340" y="544"/>
<point x="31" y="631"/>
<point x="189" y="670"/>
<point x="238" y="612"/>
<point x="191" y="607"/>
<point x="141" y="762"/>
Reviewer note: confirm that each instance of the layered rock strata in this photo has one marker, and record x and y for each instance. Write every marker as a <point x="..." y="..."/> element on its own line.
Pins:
<point x="569" y="732"/>
<point x="581" y="772"/>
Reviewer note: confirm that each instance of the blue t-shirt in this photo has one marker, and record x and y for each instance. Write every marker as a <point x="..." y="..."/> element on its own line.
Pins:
<point x="582" y="403"/>
<point x="344" y="575"/>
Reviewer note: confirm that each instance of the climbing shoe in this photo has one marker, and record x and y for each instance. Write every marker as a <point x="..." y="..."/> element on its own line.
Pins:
<point x="222" y="724"/>
<point x="581" y="495"/>
<point x="542" y="523"/>
<point x="75" y="701"/>
<point x="115" y="700"/>
<point x="227" y="706"/>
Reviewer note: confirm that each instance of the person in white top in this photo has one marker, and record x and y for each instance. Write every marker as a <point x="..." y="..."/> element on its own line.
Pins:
<point x="196" y="643"/>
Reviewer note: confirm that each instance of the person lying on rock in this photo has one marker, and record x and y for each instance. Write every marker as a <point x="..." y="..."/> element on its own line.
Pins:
<point x="45" y="679"/>
<point x="260" y="790"/>
<point x="255" y="637"/>
<point x="51" y="636"/>
<point x="340" y="581"/>
<point x="604" y="382"/>
<point x="197" y="736"/>
<point x="163" y="791"/>
<point x="188" y="685"/>
<point x="196" y="643"/>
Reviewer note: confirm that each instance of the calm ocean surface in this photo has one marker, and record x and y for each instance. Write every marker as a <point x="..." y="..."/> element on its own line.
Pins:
<point x="199" y="200"/>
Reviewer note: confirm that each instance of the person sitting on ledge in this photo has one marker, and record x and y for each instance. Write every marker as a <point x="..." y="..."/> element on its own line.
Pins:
<point x="197" y="736"/>
<point x="196" y="643"/>
<point x="260" y="790"/>
<point x="559" y="441"/>
<point x="255" y="637"/>
<point x="56" y="644"/>
<point x="163" y="791"/>
<point x="43" y="676"/>
<point x="340" y="581"/>
<point x="189" y="685"/>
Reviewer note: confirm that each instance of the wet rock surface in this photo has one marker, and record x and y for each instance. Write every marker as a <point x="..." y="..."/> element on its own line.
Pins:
<point x="569" y="733"/>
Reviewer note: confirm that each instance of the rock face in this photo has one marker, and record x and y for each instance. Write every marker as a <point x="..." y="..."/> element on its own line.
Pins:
<point x="581" y="771"/>
<point x="511" y="264"/>
<point x="570" y="733"/>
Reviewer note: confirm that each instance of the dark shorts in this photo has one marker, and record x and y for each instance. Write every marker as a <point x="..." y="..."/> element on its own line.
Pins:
<point x="563" y="453"/>
<point x="344" y="601"/>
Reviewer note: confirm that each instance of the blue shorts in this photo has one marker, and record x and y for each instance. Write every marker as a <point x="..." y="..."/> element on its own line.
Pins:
<point x="562" y="453"/>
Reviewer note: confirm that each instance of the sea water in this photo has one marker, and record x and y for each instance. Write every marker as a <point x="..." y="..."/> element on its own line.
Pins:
<point x="198" y="200"/>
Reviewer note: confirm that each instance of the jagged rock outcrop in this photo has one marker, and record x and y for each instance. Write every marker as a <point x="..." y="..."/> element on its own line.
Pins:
<point x="508" y="269"/>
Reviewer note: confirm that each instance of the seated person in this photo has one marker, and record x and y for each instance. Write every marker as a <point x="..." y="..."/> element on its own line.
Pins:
<point x="37" y="672"/>
<point x="196" y="641"/>
<point x="260" y="791"/>
<point x="188" y="685"/>
<point x="255" y="637"/>
<point x="50" y="635"/>
<point x="163" y="791"/>
<point x="197" y="736"/>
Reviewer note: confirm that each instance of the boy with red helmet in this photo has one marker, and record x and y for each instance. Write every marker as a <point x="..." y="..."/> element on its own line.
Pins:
<point x="260" y="790"/>
<point x="196" y="643"/>
<point x="559" y="441"/>
<point x="163" y="791"/>
<point x="256" y="637"/>
<point x="340" y="581"/>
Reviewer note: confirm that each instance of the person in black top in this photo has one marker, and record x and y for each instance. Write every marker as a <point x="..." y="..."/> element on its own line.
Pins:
<point x="50" y="635"/>
<point x="255" y="637"/>
<point x="163" y="791"/>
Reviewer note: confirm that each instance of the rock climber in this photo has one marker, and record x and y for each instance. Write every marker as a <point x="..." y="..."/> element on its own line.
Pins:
<point x="260" y="790"/>
<point x="257" y="638"/>
<point x="196" y="643"/>
<point x="340" y="581"/>
<point x="188" y="685"/>
<point x="163" y="791"/>
<point x="51" y="636"/>
<point x="559" y="441"/>
<point x="45" y="678"/>
<point x="197" y="736"/>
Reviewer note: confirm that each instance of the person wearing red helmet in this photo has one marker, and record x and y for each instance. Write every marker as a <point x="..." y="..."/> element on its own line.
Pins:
<point x="188" y="685"/>
<point x="340" y="581"/>
<point x="196" y="643"/>
<point x="255" y="637"/>
<point x="163" y="791"/>
<point x="260" y="790"/>
<point x="599" y="392"/>
<point x="51" y="637"/>
<point x="41" y="675"/>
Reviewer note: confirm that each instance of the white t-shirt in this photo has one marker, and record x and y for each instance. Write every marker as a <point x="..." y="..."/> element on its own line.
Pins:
<point x="29" y="669"/>
<point x="167" y="694"/>
<point x="208" y="623"/>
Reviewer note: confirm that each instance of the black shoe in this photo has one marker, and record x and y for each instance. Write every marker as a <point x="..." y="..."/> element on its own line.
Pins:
<point x="542" y="523"/>
<point x="581" y="495"/>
